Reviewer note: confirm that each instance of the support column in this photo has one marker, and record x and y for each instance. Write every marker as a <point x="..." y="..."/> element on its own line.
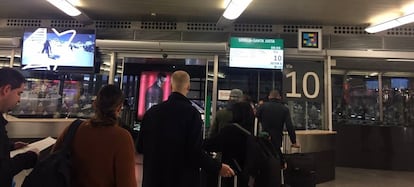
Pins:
<point x="380" y="98"/>
<point x="328" y="93"/>
<point x="112" y="68"/>
<point x="207" y="106"/>
<point x="215" y="81"/>
<point x="13" y="52"/>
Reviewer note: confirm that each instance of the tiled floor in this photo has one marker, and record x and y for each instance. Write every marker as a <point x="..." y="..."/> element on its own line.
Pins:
<point x="353" y="177"/>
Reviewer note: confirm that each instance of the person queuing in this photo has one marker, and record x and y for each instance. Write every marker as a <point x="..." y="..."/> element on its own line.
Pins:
<point x="274" y="115"/>
<point x="103" y="152"/>
<point x="170" y="140"/>
<point x="224" y="116"/>
<point x="11" y="87"/>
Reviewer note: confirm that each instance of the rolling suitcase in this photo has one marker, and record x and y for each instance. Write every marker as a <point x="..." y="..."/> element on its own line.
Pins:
<point x="300" y="170"/>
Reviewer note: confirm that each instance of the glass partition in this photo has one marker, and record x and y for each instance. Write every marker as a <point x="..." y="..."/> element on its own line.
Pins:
<point x="306" y="115"/>
<point x="398" y="102"/>
<point x="58" y="95"/>
<point x="357" y="99"/>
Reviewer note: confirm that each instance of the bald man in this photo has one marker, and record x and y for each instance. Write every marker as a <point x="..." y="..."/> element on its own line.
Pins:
<point x="171" y="138"/>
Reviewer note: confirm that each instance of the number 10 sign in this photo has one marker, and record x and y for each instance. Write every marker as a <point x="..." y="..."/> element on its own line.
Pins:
<point x="303" y="81"/>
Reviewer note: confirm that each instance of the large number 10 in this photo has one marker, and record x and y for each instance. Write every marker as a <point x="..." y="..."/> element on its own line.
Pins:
<point x="304" y="85"/>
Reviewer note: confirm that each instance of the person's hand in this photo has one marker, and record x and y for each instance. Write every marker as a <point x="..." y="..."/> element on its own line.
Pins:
<point x="295" y="145"/>
<point x="18" y="145"/>
<point x="284" y="165"/>
<point x="226" y="171"/>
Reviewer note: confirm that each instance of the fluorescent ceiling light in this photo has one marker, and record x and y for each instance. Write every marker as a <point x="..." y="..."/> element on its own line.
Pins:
<point x="406" y="19"/>
<point x="235" y="8"/>
<point x="409" y="18"/>
<point x="373" y="74"/>
<point x="66" y="7"/>
<point x="399" y="60"/>
<point x="383" y="26"/>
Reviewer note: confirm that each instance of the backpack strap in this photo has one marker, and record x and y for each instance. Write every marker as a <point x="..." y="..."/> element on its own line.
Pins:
<point x="67" y="139"/>
<point x="241" y="128"/>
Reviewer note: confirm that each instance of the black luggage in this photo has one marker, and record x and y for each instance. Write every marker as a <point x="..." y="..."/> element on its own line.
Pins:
<point x="300" y="171"/>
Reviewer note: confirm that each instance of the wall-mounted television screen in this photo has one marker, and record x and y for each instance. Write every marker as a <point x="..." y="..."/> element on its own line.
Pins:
<point x="371" y="84"/>
<point x="264" y="53"/>
<point x="399" y="83"/>
<point x="58" y="50"/>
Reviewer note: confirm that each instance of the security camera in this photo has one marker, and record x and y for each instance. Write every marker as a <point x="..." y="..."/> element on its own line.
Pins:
<point x="164" y="56"/>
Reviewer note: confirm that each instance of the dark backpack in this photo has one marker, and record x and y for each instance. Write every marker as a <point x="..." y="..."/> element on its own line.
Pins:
<point x="54" y="170"/>
<point x="263" y="163"/>
<point x="262" y="160"/>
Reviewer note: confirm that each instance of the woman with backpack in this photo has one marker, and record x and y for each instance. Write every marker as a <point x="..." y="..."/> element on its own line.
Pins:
<point x="102" y="152"/>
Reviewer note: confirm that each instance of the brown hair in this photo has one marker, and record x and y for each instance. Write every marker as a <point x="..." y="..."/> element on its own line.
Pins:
<point x="109" y="98"/>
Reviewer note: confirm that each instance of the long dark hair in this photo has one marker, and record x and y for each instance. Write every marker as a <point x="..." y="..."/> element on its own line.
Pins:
<point x="243" y="115"/>
<point x="108" y="100"/>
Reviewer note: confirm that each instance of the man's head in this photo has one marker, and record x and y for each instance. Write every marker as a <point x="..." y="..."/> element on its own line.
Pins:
<point x="180" y="82"/>
<point x="11" y="86"/>
<point x="161" y="79"/>
<point x="274" y="94"/>
<point x="236" y="95"/>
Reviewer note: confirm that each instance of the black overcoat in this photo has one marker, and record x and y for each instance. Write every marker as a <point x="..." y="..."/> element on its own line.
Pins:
<point x="170" y="139"/>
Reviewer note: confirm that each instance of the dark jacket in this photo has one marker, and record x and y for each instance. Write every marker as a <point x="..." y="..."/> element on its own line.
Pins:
<point x="223" y="118"/>
<point x="170" y="139"/>
<point x="274" y="115"/>
<point x="231" y="142"/>
<point x="11" y="166"/>
<point x="255" y="156"/>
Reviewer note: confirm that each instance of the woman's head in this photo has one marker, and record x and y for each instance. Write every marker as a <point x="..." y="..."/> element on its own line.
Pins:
<point x="243" y="115"/>
<point x="107" y="106"/>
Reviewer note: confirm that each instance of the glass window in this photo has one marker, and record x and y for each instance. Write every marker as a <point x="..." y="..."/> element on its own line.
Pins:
<point x="398" y="103"/>
<point x="306" y="115"/>
<point x="58" y="95"/>
<point x="355" y="99"/>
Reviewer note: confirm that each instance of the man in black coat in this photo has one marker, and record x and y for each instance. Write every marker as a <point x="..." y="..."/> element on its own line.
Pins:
<point x="274" y="115"/>
<point x="170" y="139"/>
<point x="11" y="86"/>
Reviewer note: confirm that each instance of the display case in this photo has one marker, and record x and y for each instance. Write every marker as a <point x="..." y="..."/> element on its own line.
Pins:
<point x="373" y="100"/>
<point x="57" y="95"/>
<point x="398" y="100"/>
<point x="355" y="99"/>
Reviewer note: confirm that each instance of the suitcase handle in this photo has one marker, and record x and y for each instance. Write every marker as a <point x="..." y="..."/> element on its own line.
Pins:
<point x="234" y="181"/>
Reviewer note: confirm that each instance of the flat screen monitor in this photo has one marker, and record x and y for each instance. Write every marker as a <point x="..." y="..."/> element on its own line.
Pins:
<point x="262" y="53"/>
<point x="371" y="84"/>
<point x="154" y="88"/>
<point x="399" y="83"/>
<point x="58" y="50"/>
